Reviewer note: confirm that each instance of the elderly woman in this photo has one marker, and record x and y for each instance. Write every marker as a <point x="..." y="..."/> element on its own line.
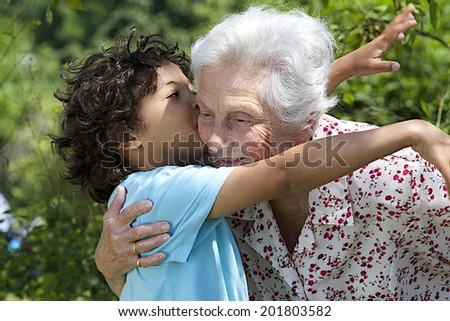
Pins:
<point x="378" y="233"/>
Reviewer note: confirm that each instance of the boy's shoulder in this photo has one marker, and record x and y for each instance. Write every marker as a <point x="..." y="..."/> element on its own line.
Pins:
<point x="140" y="182"/>
<point x="164" y="171"/>
<point x="173" y="171"/>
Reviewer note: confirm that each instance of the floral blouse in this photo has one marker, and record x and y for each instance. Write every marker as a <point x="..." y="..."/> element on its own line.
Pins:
<point x="379" y="233"/>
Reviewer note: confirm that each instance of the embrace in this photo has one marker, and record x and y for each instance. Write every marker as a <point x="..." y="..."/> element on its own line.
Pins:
<point x="237" y="213"/>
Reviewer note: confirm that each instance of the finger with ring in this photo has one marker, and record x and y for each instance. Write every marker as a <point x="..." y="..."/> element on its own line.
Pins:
<point x="138" y="263"/>
<point x="134" y="249"/>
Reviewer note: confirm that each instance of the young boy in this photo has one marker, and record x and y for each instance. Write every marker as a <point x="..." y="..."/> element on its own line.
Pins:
<point x="130" y="118"/>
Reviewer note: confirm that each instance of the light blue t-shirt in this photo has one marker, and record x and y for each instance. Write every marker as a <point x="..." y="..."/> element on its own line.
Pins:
<point x="203" y="261"/>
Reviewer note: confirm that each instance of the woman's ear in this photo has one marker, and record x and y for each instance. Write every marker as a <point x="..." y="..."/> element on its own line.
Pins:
<point x="313" y="127"/>
<point x="305" y="135"/>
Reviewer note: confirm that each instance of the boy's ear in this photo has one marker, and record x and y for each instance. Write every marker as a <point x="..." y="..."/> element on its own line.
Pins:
<point x="130" y="142"/>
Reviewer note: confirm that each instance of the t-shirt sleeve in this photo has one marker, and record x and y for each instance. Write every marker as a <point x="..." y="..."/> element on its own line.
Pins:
<point x="184" y="196"/>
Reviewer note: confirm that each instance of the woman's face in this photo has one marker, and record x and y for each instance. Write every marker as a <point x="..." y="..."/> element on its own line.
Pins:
<point x="233" y="123"/>
<point x="168" y="131"/>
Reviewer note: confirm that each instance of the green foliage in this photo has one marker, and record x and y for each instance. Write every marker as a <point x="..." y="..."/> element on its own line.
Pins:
<point x="420" y="88"/>
<point x="63" y="225"/>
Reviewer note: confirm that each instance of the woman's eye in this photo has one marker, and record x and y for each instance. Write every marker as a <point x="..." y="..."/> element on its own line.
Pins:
<point x="242" y="121"/>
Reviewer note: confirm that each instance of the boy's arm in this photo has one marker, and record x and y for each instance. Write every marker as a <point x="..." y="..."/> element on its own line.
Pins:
<point x="119" y="244"/>
<point x="366" y="60"/>
<point x="314" y="163"/>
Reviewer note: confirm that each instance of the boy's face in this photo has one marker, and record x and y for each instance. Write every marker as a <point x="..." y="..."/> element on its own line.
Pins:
<point x="168" y="132"/>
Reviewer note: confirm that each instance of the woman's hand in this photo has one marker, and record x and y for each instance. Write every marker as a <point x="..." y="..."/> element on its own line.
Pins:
<point x="366" y="60"/>
<point x="119" y="246"/>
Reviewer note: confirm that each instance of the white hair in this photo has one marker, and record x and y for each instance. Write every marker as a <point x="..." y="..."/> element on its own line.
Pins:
<point x="295" y="49"/>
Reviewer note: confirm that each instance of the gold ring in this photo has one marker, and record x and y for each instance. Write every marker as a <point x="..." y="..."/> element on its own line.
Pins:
<point x="138" y="263"/>
<point x="134" y="249"/>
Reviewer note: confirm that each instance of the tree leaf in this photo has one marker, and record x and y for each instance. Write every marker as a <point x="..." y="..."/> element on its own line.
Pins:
<point x="425" y="109"/>
<point x="433" y="13"/>
<point x="49" y="15"/>
<point x="348" y="98"/>
<point x="76" y="4"/>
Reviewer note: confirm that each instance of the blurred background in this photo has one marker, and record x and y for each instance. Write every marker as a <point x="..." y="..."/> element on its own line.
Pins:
<point x="48" y="228"/>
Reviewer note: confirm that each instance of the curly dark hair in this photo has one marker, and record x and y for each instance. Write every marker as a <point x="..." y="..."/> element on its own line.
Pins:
<point x="101" y="104"/>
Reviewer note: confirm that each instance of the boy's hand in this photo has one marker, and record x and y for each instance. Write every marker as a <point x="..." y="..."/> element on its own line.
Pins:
<point x="366" y="60"/>
<point x="120" y="244"/>
<point x="433" y="145"/>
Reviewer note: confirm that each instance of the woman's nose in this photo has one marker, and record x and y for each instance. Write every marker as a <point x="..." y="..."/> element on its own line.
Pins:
<point x="220" y="136"/>
<point x="215" y="142"/>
